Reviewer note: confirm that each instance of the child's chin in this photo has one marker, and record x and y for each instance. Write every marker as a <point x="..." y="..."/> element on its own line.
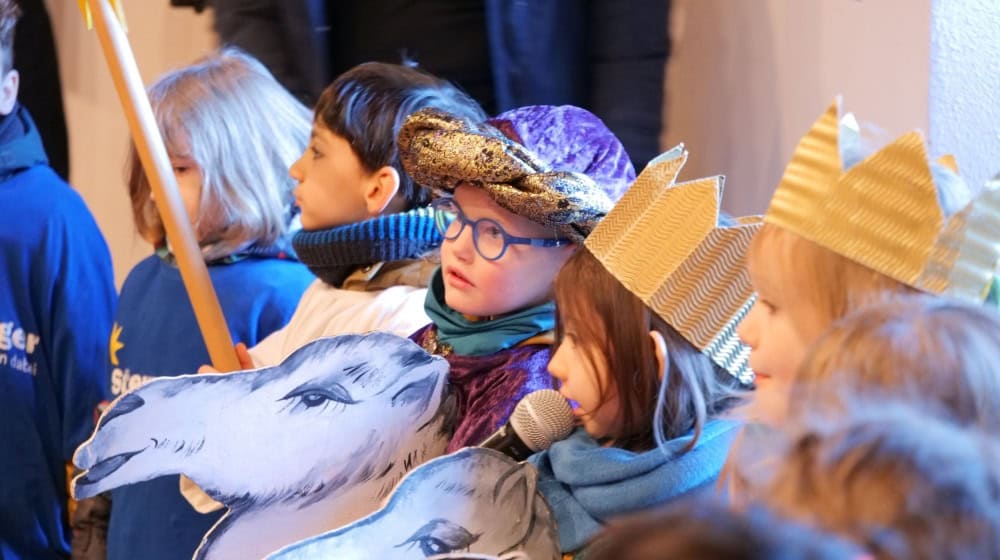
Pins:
<point x="594" y="432"/>
<point x="464" y="306"/>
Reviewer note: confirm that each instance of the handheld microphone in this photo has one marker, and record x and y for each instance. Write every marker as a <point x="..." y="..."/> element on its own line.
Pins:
<point x="539" y="420"/>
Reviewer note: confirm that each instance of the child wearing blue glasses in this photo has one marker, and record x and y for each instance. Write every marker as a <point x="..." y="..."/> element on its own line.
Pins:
<point x="519" y="193"/>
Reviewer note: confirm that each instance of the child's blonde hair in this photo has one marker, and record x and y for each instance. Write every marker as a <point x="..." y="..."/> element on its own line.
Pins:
<point x="831" y="284"/>
<point x="915" y="347"/>
<point x="698" y="528"/>
<point x="243" y="130"/>
<point x="896" y="480"/>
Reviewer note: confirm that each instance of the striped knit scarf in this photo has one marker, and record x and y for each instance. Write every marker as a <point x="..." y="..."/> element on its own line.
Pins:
<point x="333" y="254"/>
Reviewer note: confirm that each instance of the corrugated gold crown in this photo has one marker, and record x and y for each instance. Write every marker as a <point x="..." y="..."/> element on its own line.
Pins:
<point x="884" y="211"/>
<point x="662" y="242"/>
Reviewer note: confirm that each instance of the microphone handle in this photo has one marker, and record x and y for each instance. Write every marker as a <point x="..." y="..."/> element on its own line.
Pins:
<point x="506" y="441"/>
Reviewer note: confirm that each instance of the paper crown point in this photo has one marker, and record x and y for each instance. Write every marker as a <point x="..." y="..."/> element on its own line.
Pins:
<point x="963" y="260"/>
<point x="662" y="242"/>
<point x="884" y="212"/>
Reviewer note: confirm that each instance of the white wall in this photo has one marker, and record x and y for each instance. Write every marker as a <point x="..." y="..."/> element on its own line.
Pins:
<point x="748" y="77"/>
<point x="965" y="85"/>
<point x="162" y="38"/>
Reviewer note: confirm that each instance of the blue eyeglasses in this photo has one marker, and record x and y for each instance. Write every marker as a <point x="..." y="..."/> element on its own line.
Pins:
<point x="488" y="237"/>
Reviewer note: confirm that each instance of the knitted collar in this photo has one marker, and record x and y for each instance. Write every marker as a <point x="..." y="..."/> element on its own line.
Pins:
<point x="280" y="249"/>
<point x="333" y="254"/>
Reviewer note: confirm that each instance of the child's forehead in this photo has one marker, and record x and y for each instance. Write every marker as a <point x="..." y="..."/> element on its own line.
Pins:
<point x="185" y="157"/>
<point x="768" y="262"/>
<point x="322" y="132"/>
<point x="471" y="196"/>
<point x="476" y="203"/>
<point x="330" y="140"/>
<point x="180" y="151"/>
<point x="176" y="138"/>
<point x="578" y="310"/>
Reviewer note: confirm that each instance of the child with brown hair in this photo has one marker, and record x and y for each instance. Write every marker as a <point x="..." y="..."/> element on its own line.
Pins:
<point x="367" y="231"/>
<point x="520" y="193"/>
<point x="896" y="480"/>
<point x="368" y="234"/>
<point x="647" y="351"/>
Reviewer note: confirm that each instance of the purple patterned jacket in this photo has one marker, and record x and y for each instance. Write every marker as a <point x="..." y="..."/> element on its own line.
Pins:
<point x="488" y="387"/>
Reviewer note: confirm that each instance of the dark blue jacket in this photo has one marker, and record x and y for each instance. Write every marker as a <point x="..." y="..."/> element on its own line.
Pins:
<point x="57" y="299"/>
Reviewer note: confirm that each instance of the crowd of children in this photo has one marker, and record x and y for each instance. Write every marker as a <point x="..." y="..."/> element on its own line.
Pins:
<point x="818" y="382"/>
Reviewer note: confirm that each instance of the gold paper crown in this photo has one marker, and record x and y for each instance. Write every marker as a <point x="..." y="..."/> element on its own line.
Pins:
<point x="884" y="211"/>
<point x="662" y="243"/>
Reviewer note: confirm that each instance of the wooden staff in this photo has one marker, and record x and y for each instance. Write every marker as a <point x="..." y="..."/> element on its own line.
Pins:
<point x="156" y="163"/>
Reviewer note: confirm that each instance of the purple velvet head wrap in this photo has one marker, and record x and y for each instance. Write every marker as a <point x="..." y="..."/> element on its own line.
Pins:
<point x="557" y="166"/>
<point x="569" y="138"/>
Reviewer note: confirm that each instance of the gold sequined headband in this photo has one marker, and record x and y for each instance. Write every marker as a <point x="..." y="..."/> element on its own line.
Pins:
<point x="441" y="151"/>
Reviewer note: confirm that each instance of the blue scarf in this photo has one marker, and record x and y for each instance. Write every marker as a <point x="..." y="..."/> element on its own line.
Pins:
<point x="586" y="484"/>
<point x="333" y="254"/>
<point x="468" y="337"/>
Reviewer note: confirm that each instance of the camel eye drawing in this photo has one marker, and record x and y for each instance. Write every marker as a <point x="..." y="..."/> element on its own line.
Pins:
<point x="440" y="536"/>
<point x="470" y="503"/>
<point x="311" y="396"/>
<point x="293" y="451"/>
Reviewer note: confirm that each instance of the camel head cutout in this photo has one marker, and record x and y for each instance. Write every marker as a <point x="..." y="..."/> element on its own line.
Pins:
<point x="473" y="502"/>
<point x="293" y="450"/>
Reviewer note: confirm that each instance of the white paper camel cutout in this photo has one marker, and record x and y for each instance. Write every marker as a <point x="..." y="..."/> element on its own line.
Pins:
<point x="474" y="501"/>
<point x="293" y="450"/>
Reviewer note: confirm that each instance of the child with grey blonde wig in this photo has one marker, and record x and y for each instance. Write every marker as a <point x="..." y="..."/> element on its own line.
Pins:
<point x="231" y="132"/>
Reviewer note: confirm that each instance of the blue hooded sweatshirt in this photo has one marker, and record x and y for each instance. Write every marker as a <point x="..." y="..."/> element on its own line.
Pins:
<point x="57" y="300"/>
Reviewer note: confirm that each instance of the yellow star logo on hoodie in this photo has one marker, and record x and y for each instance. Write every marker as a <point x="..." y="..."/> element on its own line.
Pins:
<point x="114" y="345"/>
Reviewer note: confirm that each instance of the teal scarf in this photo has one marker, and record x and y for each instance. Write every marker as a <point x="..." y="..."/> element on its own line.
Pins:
<point x="482" y="338"/>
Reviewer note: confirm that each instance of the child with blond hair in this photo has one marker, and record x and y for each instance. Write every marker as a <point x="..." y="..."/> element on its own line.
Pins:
<point x="915" y="347"/>
<point x="896" y="480"/>
<point x="846" y="230"/>
<point x="704" y="529"/>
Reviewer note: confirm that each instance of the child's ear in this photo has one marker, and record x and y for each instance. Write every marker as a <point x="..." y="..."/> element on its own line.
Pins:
<point x="660" y="350"/>
<point x="381" y="190"/>
<point x="8" y="91"/>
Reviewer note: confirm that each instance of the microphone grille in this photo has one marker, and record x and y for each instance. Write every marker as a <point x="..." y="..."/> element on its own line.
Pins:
<point x="542" y="418"/>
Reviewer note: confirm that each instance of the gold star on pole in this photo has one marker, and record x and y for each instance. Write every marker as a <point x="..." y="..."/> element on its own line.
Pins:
<point x="89" y="18"/>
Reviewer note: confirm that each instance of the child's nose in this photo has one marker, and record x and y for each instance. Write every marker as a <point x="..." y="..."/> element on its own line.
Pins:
<point x="463" y="246"/>
<point x="295" y="171"/>
<point x="556" y="367"/>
